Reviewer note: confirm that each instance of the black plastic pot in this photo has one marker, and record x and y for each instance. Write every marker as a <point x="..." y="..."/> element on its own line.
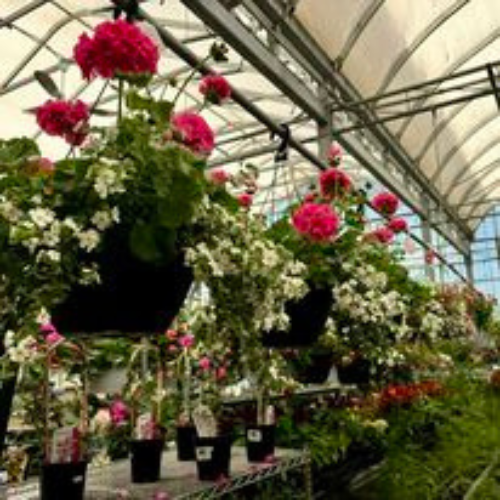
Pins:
<point x="307" y="320"/>
<point x="185" y="440"/>
<point x="7" y="389"/>
<point x="134" y="296"/>
<point x="356" y="372"/>
<point x="316" y="370"/>
<point x="58" y="481"/>
<point x="145" y="460"/>
<point x="260" y="442"/>
<point x="213" y="457"/>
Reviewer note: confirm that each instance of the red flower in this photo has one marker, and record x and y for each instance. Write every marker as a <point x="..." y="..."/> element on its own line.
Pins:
<point x="398" y="225"/>
<point x="245" y="200"/>
<point x="215" y="88"/>
<point x="117" y="48"/>
<point x="334" y="154"/>
<point x="318" y="222"/>
<point x="386" y="203"/>
<point x="64" y="119"/>
<point x="194" y="132"/>
<point x="382" y="235"/>
<point x="218" y="176"/>
<point x="334" y="182"/>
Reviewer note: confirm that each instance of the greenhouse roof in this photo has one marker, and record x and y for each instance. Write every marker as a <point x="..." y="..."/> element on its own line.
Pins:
<point x="294" y="62"/>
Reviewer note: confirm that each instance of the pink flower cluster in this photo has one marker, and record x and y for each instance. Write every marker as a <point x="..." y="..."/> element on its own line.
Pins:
<point x="194" y="132"/>
<point x="119" y="412"/>
<point x="334" y="182"/>
<point x="245" y="200"/>
<point x="215" y="88"/>
<point x="386" y="203"/>
<point x="397" y="225"/>
<point x="117" y="48"/>
<point x="334" y="155"/>
<point x="52" y="336"/>
<point x="318" y="222"/>
<point x="382" y="235"/>
<point x="67" y="119"/>
<point x="218" y="176"/>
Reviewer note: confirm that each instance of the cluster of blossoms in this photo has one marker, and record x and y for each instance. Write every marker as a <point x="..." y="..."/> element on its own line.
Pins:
<point x="215" y="88"/>
<point x="248" y="275"/>
<point x="387" y="204"/>
<point x="366" y="299"/>
<point x="318" y="222"/>
<point x="403" y="395"/>
<point x="67" y="119"/>
<point x="118" y="48"/>
<point x="334" y="183"/>
<point x="194" y="132"/>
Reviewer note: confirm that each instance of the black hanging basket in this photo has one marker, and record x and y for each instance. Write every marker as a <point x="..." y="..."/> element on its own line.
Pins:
<point x="260" y="442"/>
<point x="7" y="389"/>
<point x="134" y="296"/>
<point x="356" y="372"/>
<point x="213" y="457"/>
<point x="315" y="370"/>
<point x="58" y="481"/>
<point x="307" y="320"/>
<point x="145" y="460"/>
<point x="185" y="440"/>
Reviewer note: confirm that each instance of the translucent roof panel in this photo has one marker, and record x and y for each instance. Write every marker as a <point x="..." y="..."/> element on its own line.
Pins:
<point x="384" y="45"/>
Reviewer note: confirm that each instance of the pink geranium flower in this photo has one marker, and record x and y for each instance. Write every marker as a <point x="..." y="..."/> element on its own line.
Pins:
<point x="119" y="412"/>
<point x="334" y="154"/>
<point x="205" y="363"/>
<point x="221" y="373"/>
<point x="194" y="132"/>
<point x="318" y="222"/>
<point x="66" y="119"/>
<point x="334" y="182"/>
<point x="386" y="203"/>
<point x="245" y="200"/>
<point x="187" y="341"/>
<point x="381" y="235"/>
<point x="171" y="334"/>
<point x="54" y="338"/>
<point x="117" y="48"/>
<point x="215" y="88"/>
<point x="218" y="176"/>
<point x="398" y="225"/>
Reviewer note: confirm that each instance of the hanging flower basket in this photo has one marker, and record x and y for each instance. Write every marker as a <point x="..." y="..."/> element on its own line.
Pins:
<point x="133" y="296"/>
<point x="307" y="320"/>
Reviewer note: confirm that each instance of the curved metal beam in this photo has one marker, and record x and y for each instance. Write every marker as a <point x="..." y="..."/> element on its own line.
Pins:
<point x="419" y="40"/>
<point x="358" y="30"/>
<point x="473" y="52"/>
<point x="476" y="183"/>
<point x="485" y="170"/>
<point x="478" y="128"/>
<point x="484" y="193"/>
<point x="436" y="132"/>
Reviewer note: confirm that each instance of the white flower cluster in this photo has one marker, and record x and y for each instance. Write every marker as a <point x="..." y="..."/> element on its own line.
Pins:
<point x="23" y="352"/>
<point x="364" y="298"/>
<point x="109" y="177"/>
<point x="252" y="276"/>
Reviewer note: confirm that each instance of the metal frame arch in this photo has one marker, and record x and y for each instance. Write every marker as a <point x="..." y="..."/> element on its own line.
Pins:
<point x="484" y="170"/>
<point x="363" y="21"/>
<point x="473" y="52"/>
<point x="472" y="133"/>
<point x="419" y="40"/>
<point x="483" y="193"/>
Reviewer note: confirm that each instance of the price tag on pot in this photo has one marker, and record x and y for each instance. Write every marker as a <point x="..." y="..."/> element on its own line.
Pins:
<point x="254" y="435"/>
<point x="204" y="453"/>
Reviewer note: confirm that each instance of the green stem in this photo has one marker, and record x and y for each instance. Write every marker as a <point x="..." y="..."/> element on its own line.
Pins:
<point x="189" y="78"/>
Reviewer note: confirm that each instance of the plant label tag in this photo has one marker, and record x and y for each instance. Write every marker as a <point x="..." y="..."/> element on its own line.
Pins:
<point x="254" y="436"/>
<point x="204" y="453"/>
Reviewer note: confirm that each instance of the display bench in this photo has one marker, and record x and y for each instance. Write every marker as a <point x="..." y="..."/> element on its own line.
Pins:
<point x="179" y="479"/>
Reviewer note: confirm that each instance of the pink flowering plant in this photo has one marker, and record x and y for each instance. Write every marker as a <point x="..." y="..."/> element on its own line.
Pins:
<point x="140" y="181"/>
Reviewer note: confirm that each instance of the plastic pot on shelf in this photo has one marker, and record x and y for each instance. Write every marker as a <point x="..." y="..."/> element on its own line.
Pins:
<point x="185" y="440"/>
<point x="307" y="320"/>
<point x="145" y="460"/>
<point x="133" y="297"/>
<point x="65" y="480"/>
<point x="213" y="457"/>
<point x="260" y="442"/>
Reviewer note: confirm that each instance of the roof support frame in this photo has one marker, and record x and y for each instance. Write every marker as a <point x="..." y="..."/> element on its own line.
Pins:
<point x="292" y="34"/>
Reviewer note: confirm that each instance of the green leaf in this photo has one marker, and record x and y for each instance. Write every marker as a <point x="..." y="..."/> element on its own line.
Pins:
<point x="48" y="84"/>
<point x="14" y="152"/>
<point x="159" y="111"/>
<point x="151" y="243"/>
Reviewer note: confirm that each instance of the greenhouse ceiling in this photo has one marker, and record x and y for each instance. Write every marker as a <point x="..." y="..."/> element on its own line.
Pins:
<point x="327" y="68"/>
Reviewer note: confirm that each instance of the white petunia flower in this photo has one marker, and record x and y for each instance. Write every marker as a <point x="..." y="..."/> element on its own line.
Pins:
<point x="89" y="239"/>
<point x="42" y="217"/>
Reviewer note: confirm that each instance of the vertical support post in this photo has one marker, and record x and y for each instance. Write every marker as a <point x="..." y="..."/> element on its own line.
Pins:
<point x="325" y="130"/>
<point x="427" y="237"/>
<point x="469" y="265"/>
